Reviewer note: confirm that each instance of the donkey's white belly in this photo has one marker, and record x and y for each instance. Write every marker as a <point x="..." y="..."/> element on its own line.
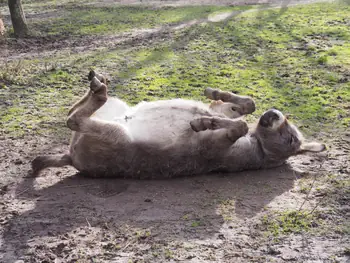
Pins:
<point x="159" y="121"/>
<point x="111" y="110"/>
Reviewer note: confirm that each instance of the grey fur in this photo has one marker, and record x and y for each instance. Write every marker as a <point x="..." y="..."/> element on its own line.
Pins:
<point x="165" y="139"/>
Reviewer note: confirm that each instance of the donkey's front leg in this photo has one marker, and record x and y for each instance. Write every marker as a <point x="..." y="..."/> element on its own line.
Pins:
<point x="234" y="129"/>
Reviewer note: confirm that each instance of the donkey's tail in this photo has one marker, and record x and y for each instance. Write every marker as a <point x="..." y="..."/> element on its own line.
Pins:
<point x="44" y="161"/>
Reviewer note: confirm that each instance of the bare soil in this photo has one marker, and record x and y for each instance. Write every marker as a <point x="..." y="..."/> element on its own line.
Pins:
<point x="64" y="217"/>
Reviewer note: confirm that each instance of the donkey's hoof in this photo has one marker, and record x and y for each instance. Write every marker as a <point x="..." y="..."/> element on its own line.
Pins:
<point x="97" y="86"/>
<point x="197" y="125"/>
<point x="213" y="94"/>
<point x="91" y="75"/>
<point x="100" y="77"/>
<point x="205" y="123"/>
<point x="242" y="126"/>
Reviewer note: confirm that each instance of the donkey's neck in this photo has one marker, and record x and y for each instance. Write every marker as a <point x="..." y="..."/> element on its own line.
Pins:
<point x="267" y="160"/>
<point x="245" y="154"/>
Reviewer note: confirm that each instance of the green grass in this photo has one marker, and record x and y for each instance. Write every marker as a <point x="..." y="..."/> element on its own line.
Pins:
<point x="285" y="223"/>
<point x="294" y="59"/>
<point x="78" y="20"/>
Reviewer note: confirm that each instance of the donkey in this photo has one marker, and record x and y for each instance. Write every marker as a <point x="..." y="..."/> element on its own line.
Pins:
<point x="168" y="138"/>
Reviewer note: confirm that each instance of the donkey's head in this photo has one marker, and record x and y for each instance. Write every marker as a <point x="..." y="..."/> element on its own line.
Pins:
<point x="280" y="139"/>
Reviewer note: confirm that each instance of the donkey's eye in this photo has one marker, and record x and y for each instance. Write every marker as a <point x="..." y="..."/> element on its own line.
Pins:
<point x="233" y="109"/>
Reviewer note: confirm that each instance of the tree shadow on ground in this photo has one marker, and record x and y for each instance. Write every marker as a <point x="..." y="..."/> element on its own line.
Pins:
<point x="159" y="52"/>
<point x="77" y="202"/>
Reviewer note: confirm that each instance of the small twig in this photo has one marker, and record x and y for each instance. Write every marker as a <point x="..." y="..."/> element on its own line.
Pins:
<point x="313" y="209"/>
<point x="78" y="185"/>
<point x="22" y="192"/>
<point x="311" y="187"/>
<point x="87" y="221"/>
<point x="295" y="175"/>
<point x="99" y="193"/>
<point x="128" y="244"/>
<point x="106" y="195"/>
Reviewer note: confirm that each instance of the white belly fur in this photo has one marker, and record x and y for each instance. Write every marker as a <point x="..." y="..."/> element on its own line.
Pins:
<point x="159" y="121"/>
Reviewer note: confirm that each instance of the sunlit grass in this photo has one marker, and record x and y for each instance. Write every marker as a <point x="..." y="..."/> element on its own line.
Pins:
<point x="295" y="59"/>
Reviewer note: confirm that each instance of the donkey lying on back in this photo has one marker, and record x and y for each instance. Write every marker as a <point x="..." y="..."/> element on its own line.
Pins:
<point x="172" y="137"/>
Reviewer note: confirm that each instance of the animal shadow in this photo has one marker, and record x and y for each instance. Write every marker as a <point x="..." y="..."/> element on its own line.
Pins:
<point x="77" y="202"/>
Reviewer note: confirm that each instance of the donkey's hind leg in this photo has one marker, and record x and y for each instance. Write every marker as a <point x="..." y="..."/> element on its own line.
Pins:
<point x="91" y="75"/>
<point x="80" y="120"/>
<point x="244" y="104"/>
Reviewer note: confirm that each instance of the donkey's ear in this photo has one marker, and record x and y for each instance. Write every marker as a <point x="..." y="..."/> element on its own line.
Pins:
<point x="311" y="147"/>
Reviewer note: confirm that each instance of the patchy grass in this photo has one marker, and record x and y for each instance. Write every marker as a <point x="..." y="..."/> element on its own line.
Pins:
<point x="326" y="196"/>
<point x="294" y="59"/>
<point x="78" y="19"/>
<point x="226" y="208"/>
<point x="288" y="222"/>
<point x="335" y="188"/>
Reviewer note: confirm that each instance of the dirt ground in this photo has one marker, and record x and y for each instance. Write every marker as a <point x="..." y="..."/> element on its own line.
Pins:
<point x="64" y="217"/>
